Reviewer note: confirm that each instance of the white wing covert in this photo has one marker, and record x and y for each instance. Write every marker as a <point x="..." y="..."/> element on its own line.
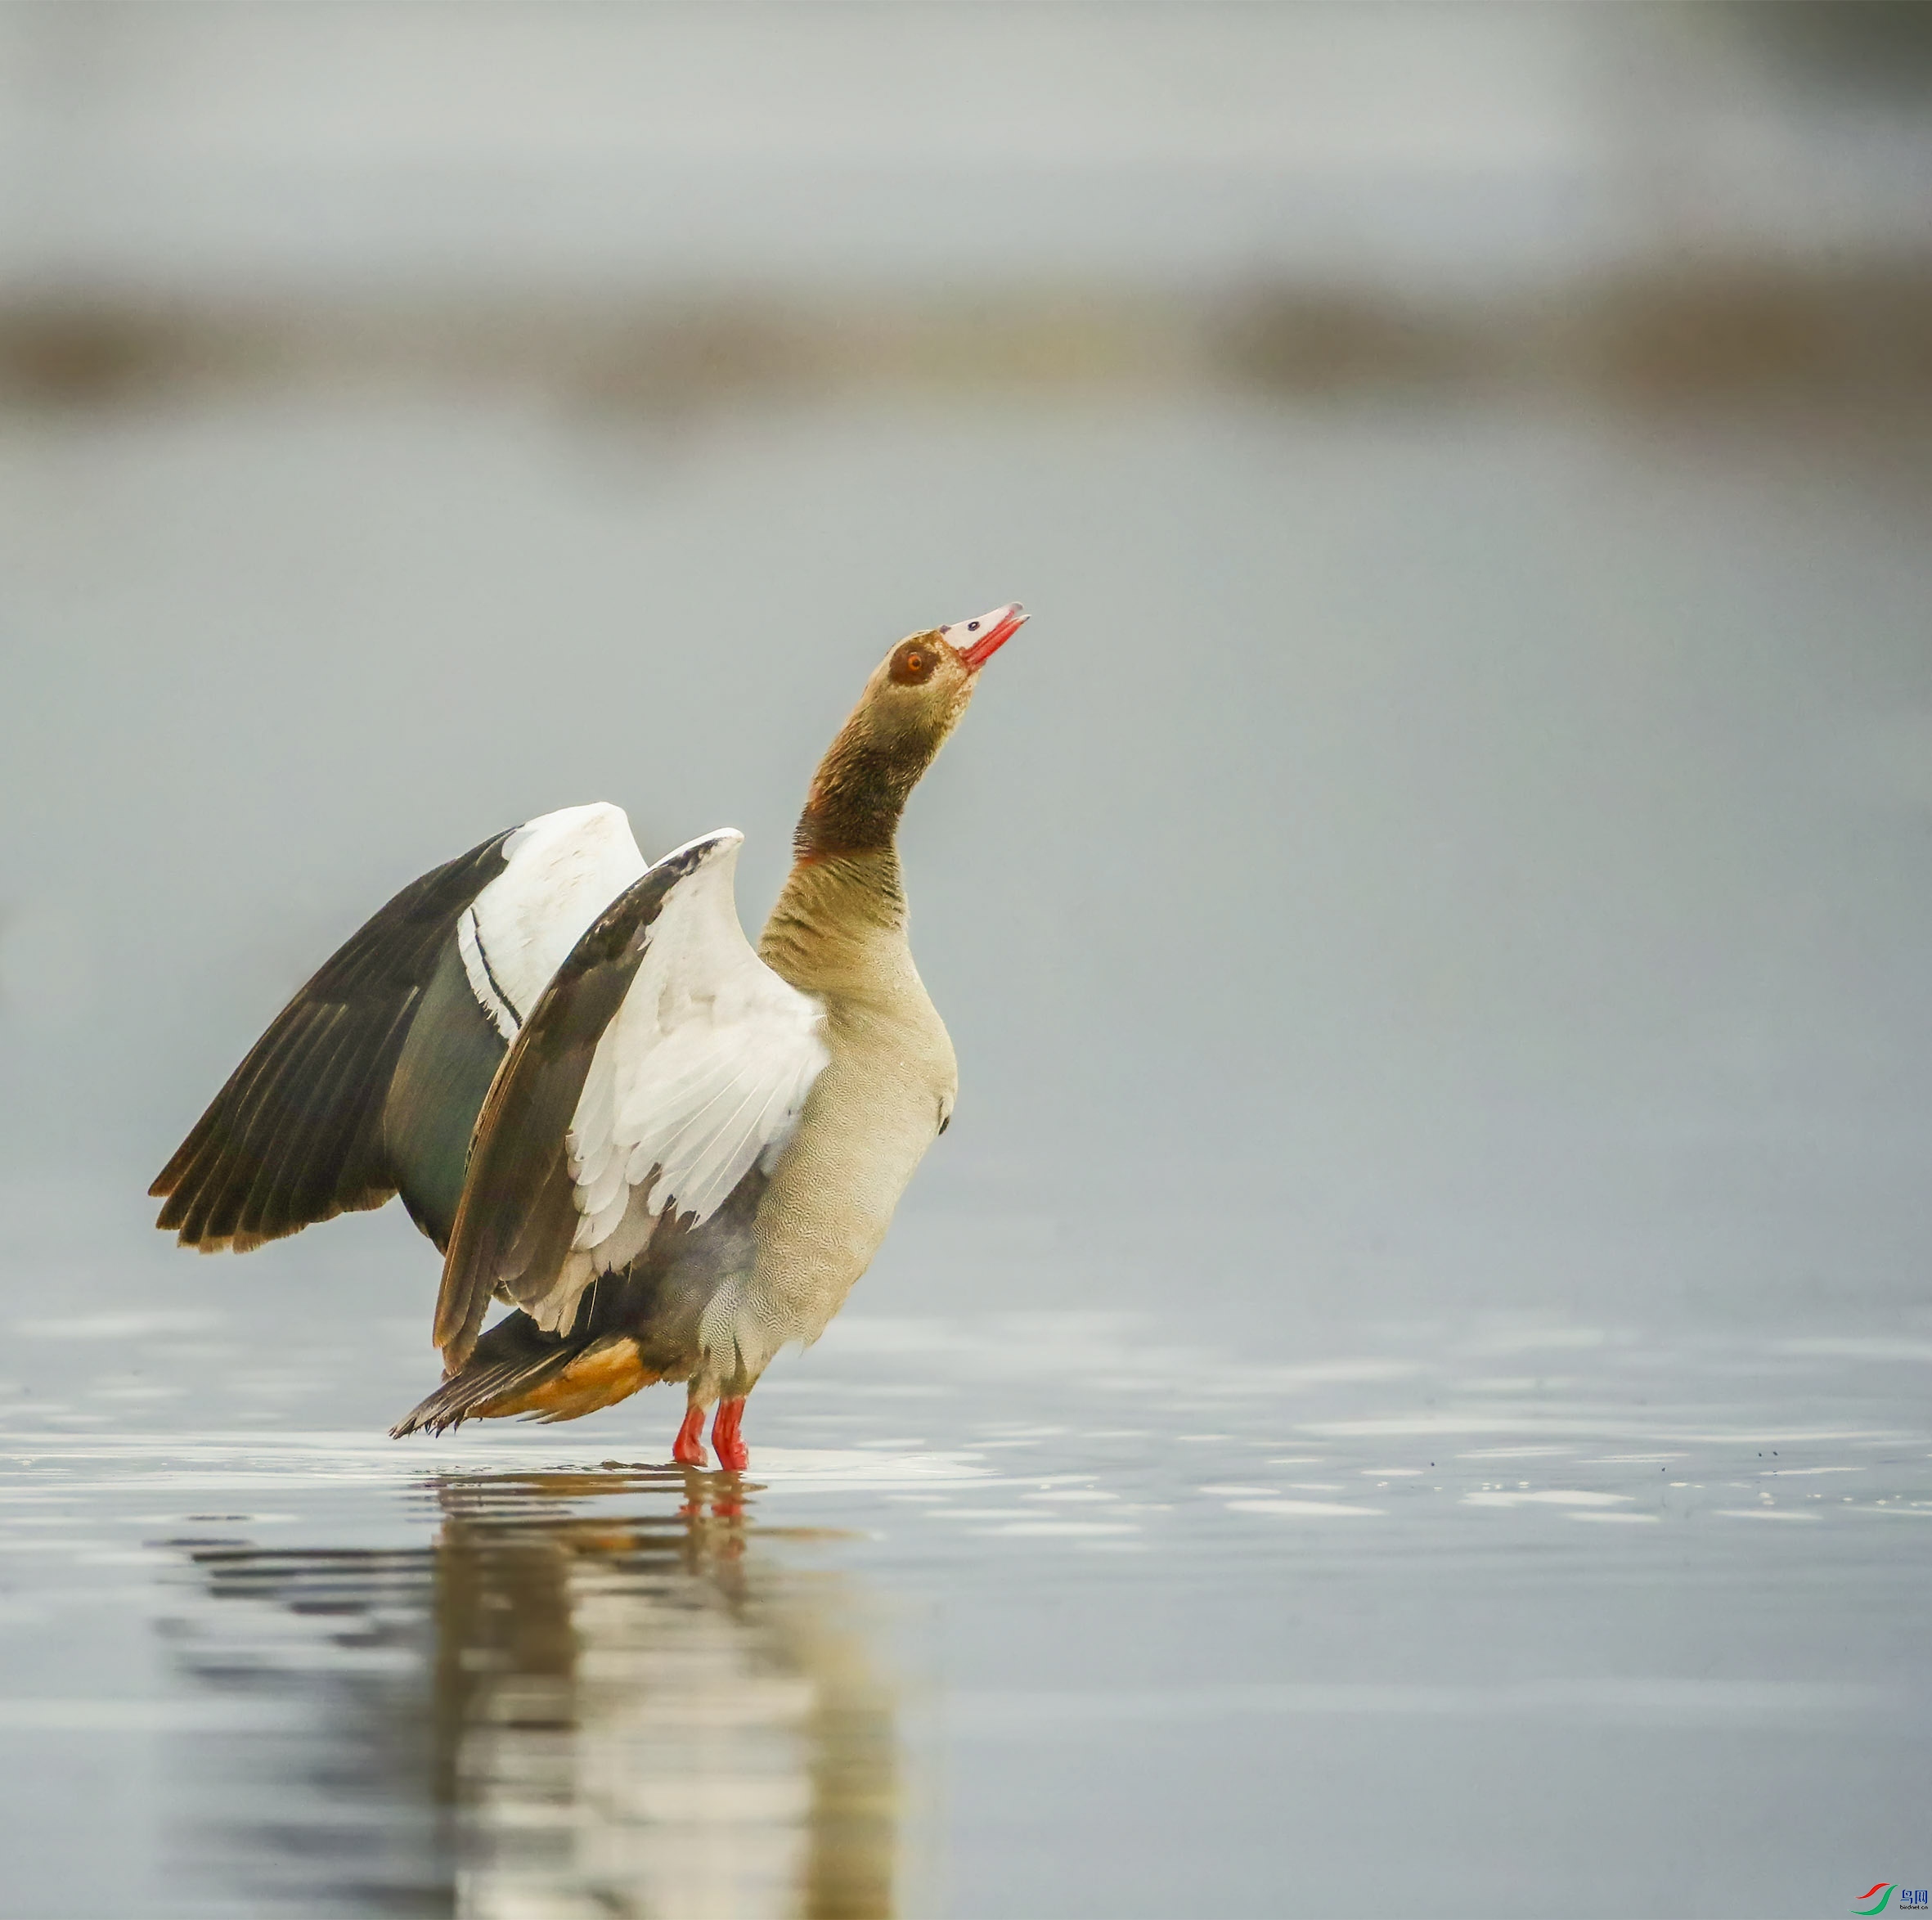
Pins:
<point x="562" y="869"/>
<point x="701" y="1075"/>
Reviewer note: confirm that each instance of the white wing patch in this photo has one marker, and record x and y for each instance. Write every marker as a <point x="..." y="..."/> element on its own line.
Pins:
<point x="701" y="1075"/>
<point x="563" y="869"/>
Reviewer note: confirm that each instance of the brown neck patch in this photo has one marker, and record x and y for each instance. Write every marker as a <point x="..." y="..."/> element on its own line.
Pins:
<point x="859" y="794"/>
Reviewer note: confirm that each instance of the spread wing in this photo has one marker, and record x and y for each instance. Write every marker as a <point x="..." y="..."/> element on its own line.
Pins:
<point x="308" y="1126"/>
<point x="562" y="870"/>
<point x="664" y="1061"/>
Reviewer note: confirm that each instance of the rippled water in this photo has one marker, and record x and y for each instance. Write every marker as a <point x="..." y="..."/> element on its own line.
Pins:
<point x="1025" y="1614"/>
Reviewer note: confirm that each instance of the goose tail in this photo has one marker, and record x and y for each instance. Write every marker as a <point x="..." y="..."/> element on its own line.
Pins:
<point x="518" y="1369"/>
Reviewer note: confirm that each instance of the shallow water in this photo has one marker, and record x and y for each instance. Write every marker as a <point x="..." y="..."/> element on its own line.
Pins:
<point x="1024" y="1614"/>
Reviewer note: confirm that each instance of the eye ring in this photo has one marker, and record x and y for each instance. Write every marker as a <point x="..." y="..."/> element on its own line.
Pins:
<point x="913" y="664"/>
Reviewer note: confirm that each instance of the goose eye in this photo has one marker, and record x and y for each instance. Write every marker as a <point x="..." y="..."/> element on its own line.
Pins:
<point x="972" y="626"/>
<point x="912" y="665"/>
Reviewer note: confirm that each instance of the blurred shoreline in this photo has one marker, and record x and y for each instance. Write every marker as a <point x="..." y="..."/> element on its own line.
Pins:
<point x="1672" y="335"/>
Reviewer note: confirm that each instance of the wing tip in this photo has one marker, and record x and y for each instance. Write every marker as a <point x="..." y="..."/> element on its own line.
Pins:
<point x="450" y="1404"/>
<point x="424" y="1420"/>
<point x="202" y="1237"/>
<point x="454" y="1334"/>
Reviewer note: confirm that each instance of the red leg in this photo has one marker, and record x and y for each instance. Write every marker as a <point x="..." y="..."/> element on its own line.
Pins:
<point x="733" y="1453"/>
<point x="688" y="1449"/>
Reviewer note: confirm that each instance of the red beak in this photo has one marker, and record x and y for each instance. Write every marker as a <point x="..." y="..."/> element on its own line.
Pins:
<point x="995" y="629"/>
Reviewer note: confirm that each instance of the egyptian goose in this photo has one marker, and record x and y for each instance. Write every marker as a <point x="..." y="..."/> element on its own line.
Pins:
<point x="671" y="1155"/>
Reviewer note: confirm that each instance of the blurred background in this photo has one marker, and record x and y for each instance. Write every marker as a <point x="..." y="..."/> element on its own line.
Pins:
<point x="1459" y="817"/>
<point x="1454" y="839"/>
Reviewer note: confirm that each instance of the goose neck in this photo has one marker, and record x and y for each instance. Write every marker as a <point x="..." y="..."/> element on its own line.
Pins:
<point x="839" y="921"/>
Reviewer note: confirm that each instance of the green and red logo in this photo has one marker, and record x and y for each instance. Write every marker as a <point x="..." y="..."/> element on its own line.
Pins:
<point x="1877" y="1897"/>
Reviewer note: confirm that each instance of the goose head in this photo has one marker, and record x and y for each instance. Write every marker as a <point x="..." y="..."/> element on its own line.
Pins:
<point x="913" y="701"/>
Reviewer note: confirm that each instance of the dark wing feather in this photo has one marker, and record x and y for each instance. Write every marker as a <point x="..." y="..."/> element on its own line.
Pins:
<point x="518" y="1210"/>
<point x="512" y="1358"/>
<point x="296" y="1136"/>
<point x="441" y="1074"/>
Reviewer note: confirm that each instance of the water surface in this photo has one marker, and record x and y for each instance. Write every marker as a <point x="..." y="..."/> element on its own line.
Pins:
<point x="1021" y="1614"/>
<point x="1403" y="1387"/>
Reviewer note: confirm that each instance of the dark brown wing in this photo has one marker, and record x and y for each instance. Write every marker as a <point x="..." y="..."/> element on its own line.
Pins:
<point x="518" y="1211"/>
<point x="296" y="1136"/>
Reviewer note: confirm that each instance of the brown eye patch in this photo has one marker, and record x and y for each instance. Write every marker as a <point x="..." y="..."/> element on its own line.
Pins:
<point x="913" y="664"/>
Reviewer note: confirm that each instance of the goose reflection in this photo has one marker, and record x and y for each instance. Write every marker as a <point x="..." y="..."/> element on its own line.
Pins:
<point x="602" y="1693"/>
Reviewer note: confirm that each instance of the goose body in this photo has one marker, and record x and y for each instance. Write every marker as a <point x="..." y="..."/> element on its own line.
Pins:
<point x="670" y="1154"/>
